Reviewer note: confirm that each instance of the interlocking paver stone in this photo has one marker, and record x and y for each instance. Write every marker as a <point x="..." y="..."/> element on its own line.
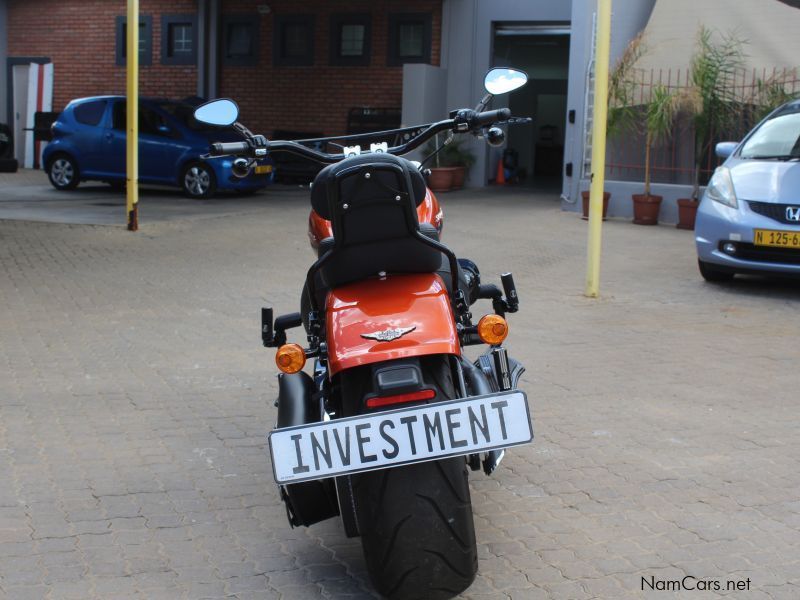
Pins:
<point x="135" y="402"/>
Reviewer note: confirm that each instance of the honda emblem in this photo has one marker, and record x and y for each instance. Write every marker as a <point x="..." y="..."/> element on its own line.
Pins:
<point x="793" y="213"/>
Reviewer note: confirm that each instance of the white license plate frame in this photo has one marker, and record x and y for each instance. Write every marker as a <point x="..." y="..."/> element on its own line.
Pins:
<point x="357" y="444"/>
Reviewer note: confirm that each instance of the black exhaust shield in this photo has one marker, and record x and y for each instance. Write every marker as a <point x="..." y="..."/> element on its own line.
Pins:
<point x="312" y="501"/>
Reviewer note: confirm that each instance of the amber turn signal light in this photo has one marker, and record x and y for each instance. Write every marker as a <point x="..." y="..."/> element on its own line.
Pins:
<point x="492" y="329"/>
<point x="290" y="358"/>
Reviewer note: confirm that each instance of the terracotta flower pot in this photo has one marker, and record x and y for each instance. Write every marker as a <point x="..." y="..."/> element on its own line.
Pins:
<point x="441" y="179"/>
<point x="459" y="174"/>
<point x="646" y="208"/>
<point x="687" y="213"/>
<point x="585" y="196"/>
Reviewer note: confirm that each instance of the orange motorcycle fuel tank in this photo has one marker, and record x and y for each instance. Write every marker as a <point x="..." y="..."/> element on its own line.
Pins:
<point x="428" y="211"/>
<point x="390" y="317"/>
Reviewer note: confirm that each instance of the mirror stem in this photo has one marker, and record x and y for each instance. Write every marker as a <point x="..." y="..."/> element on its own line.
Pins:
<point x="447" y="140"/>
<point x="482" y="104"/>
<point x="243" y="130"/>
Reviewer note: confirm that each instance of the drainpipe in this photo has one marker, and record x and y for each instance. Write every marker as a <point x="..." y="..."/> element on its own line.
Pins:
<point x="4" y="108"/>
<point x="202" y="28"/>
<point x="213" y="49"/>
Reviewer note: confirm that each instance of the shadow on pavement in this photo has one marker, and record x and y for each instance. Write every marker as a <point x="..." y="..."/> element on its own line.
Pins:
<point x="28" y="196"/>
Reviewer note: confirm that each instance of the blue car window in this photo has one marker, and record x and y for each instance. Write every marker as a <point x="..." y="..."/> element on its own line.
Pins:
<point x="90" y="113"/>
<point x="118" y="118"/>
<point x="149" y="120"/>
<point x="184" y="114"/>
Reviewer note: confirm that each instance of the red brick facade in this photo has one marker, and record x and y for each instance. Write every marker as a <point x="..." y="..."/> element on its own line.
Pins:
<point x="79" y="37"/>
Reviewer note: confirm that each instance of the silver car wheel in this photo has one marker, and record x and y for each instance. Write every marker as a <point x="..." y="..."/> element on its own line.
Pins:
<point x="62" y="172"/>
<point x="197" y="180"/>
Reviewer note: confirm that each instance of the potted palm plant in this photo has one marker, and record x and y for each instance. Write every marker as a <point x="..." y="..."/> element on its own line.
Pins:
<point x="458" y="157"/>
<point x="712" y="105"/>
<point x="659" y="116"/>
<point x="441" y="175"/>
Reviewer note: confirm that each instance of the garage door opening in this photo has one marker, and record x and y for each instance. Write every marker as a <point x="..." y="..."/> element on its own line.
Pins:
<point x="542" y="51"/>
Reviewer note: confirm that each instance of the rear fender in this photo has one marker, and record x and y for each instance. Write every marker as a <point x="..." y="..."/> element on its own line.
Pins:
<point x="416" y="301"/>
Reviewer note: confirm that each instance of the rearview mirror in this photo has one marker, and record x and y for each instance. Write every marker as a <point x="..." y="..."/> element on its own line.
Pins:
<point x="725" y="149"/>
<point x="502" y="81"/>
<point x="221" y="113"/>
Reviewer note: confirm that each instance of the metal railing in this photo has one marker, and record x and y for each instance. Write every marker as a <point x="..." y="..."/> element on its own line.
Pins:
<point x="752" y="96"/>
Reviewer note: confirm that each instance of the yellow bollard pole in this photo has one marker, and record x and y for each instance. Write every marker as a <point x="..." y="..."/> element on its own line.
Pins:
<point x="602" y="50"/>
<point x="132" y="111"/>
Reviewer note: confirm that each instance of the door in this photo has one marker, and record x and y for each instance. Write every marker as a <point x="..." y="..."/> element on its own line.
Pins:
<point x="542" y="50"/>
<point x="32" y="92"/>
<point x="19" y="74"/>
<point x="86" y="137"/>
<point x="153" y="165"/>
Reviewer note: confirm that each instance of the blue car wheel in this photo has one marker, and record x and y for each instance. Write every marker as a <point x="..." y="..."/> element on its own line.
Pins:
<point x="198" y="180"/>
<point x="63" y="172"/>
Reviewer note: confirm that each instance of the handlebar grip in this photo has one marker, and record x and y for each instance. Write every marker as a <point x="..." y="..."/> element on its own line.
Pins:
<point x="223" y="148"/>
<point x="493" y="116"/>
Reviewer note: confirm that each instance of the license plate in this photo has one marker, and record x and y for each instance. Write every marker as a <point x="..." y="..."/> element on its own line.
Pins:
<point x="263" y="169"/>
<point x="400" y="437"/>
<point x="778" y="239"/>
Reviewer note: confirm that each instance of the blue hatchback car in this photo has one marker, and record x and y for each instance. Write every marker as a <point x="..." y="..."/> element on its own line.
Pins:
<point x="89" y="144"/>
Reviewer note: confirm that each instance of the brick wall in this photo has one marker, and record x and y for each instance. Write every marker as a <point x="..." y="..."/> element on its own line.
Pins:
<point x="79" y="37"/>
<point x="317" y="98"/>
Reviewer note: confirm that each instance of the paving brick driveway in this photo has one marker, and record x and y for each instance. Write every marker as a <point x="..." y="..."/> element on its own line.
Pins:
<point x="135" y="397"/>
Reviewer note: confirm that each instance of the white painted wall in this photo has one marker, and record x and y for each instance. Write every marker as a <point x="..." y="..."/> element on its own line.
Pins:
<point x="424" y="95"/>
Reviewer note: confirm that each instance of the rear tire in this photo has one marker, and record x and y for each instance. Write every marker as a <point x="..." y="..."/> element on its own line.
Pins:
<point x="416" y="523"/>
<point x="712" y="274"/>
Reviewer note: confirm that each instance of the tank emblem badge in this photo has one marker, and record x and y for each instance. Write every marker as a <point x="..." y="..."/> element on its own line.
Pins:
<point x="388" y="335"/>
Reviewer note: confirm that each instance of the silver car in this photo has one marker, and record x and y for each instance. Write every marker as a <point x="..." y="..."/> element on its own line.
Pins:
<point x="749" y="218"/>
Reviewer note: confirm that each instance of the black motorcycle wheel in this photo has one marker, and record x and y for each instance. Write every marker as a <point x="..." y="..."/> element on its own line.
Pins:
<point x="416" y="523"/>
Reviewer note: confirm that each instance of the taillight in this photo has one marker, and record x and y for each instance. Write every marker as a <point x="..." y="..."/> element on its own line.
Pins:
<point x="381" y="401"/>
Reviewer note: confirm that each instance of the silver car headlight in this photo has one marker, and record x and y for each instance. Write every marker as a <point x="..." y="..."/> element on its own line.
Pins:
<point x="720" y="188"/>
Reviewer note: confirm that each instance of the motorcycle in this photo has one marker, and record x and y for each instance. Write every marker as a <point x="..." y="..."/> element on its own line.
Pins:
<point x="384" y="429"/>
